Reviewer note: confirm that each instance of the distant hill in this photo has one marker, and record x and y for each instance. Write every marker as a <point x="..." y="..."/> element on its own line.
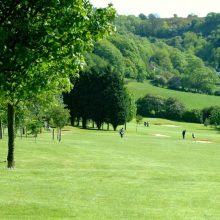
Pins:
<point x="190" y="100"/>
<point x="181" y="53"/>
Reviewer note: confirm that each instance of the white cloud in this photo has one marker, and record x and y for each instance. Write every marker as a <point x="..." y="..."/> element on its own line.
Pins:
<point x="164" y="8"/>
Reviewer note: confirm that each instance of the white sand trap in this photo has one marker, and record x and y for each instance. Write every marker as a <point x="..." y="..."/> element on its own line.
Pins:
<point x="161" y="135"/>
<point x="174" y="126"/>
<point x="204" y="142"/>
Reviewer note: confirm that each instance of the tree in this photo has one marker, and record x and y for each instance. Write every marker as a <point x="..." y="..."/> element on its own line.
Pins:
<point x="117" y="104"/>
<point x="107" y="51"/>
<point x="132" y="109"/>
<point x="139" y="119"/>
<point x="198" y="77"/>
<point x="215" y="116"/>
<point x="34" y="127"/>
<point x="159" y="81"/>
<point x="193" y="115"/>
<point x="174" y="109"/>
<point x="216" y="57"/>
<point x="190" y="40"/>
<point x="79" y="98"/>
<point x="150" y="105"/>
<point x="162" y="58"/>
<point x="2" y="120"/>
<point x="41" y="45"/>
<point x="178" y="60"/>
<point x="211" y="22"/>
<point x="135" y="52"/>
<point x="59" y="117"/>
<point x="206" y="122"/>
<point x="174" y="83"/>
<point x="206" y="112"/>
<point x="99" y="94"/>
<point x="142" y="16"/>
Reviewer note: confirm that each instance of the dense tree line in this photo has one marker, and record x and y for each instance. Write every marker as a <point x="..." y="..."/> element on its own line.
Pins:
<point x="46" y="111"/>
<point x="99" y="95"/>
<point x="171" y="108"/>
<point x="156" y="106"/>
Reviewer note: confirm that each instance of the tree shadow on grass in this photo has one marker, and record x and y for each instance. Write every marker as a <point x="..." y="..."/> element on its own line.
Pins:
<point x="217" y="129"/>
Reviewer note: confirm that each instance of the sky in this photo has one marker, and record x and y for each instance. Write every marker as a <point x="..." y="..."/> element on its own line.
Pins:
<point x="163" y="8"/>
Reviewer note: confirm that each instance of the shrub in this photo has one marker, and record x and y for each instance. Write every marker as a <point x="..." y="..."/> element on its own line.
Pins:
<point x="159" y="81"/>
<point x="215" y="116"/>
<point x="206" y="112"/>
<point x="174" y="109"/>
<point x="206" y="122"/>
<point x="193" y="115"/>
<point x="174" y="83"/>
<point x="150" y="105"/>
<point x="217" y="93"/>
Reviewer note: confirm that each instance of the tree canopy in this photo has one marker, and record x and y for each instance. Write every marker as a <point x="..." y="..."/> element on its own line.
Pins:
<point x="149" y="47"/>
<point x="100" y="95"/>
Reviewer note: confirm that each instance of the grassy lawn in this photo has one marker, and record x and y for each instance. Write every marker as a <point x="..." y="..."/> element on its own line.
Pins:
<point x="190" y="100"/>
<point x="149" y="174"/>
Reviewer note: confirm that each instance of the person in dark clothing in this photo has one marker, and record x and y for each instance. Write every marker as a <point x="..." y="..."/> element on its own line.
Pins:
<point x="184" y="133"/>
<point x="122" y="132"/>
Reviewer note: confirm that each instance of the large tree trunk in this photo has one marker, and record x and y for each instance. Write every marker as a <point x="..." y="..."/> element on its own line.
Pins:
<point x="84" y="122"/>
<point x="1" y="129"/>
<point x="59" y="134"/>
<point x="11" y="135"/>
<point x="98" y="124"/>
<point x="72" y="120"/>
<point x="78" y="119"/>
<point x="114" y="127"/>
<point x="53" y="134"/>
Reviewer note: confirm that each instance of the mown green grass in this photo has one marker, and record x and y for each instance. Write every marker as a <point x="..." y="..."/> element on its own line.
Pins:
<point x="97" y="175"/>
<point x="190" y="100"/>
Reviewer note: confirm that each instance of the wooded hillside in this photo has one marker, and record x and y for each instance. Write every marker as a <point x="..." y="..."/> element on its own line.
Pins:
<point x="177" y="53"/>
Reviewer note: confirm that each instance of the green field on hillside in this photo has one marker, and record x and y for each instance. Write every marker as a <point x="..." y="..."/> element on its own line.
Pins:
<point x="149" y="174"/>
<point x="190" y="100"/>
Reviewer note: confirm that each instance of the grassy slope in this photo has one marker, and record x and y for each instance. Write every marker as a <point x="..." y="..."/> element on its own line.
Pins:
<point x="98" y="175"/>
<point x="191" y="100"/>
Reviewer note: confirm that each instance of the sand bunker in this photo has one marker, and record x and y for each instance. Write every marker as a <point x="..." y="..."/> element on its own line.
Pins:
<point x="204" y="142"/>
<point x="161" y="135"/>
<point x="174" y="126"/>
<point x="167" y="125"/>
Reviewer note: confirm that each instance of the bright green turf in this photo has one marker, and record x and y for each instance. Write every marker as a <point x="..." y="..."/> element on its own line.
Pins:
<point x="190" y="100"/>
<point x="97" y="175"/>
